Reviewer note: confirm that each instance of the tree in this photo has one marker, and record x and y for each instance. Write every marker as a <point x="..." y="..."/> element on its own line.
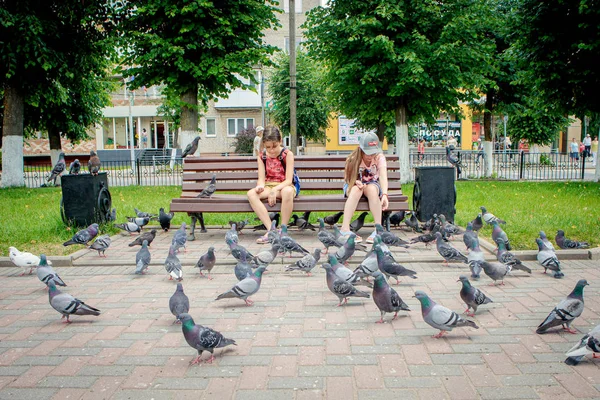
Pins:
<point x="244" y="141"/>
<point x="313" y="108"/>
<point x="200" y="50"/>
<point x="404" y="61"/>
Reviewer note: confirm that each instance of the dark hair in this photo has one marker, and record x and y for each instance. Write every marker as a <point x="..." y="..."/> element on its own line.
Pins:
<point x="271" y="134"/>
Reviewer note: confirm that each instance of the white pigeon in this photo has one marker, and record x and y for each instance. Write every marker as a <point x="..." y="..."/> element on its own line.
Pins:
<point x="24" y="260"/>
<point x="589" y="344"/>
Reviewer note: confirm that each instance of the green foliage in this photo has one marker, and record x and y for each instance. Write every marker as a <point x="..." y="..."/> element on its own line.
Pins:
<point x="545" y="160"/>
<point x="536" y="121"/>
<point x="313" y="108"/>
<point x="244" y="141"/>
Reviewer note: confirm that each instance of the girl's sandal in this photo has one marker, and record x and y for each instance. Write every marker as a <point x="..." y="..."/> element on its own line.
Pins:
<point x="263" y="240"/>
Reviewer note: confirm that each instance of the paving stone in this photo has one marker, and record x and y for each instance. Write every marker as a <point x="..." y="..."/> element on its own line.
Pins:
<point x="544" y="368"/>
<point x="507" y="393"/>
<point x="264" y="394"/>
<point x="26" y="394"/>
<point x="180" y="383"/>
<point x="412" y="382"/>
<point x="529" y="380"/>
<point x="352" y="360"/>
<point x="434" y="370"/>
<point x="325" y="370"/>
<point x="295" y="383"/>
<point x="67" y="382"/>
<point x="394" y="394"/>
<point x="102" y="370"/>
<point x="456" y="359"/>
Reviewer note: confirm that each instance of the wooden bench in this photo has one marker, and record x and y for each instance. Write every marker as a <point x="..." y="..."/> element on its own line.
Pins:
<point x="239" y="173"/>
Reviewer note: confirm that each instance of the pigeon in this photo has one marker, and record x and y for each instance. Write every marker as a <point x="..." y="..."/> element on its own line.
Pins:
<point x="327" y="238"/>
<point x="386" y="298"/>
<point x="546" y="242"/>
<point x="141" y="222"/>
<point x="389" y="238"/>
<point x="142" y="214"/>
<point x="565" y="243"/>
<point x="130" y="227"/>
<point x="173" y="265"/>
<point x="238" y="251"/>
<point x="206" y="262"/>
<point x="306" y="263"/>
<point x="453" y="159"/>
<point x="566" y="311"/>
<point x="368" y="266"/>
<point x="477" y="223"/>
<point x="273" y="216"/>
<point x="344" y="253"/>
<point x="75" y="167"/>
<point x="288" y="244"/>
<point x="239" y="225"/>
<point x="245" y="288"/>
<point x="440" y="317"/>
<point x="391" y="268"/>
<point x="179" y="302"/>
<point x="341" y="239"/>
<point x="475" y="259"/>
<point x="68" y="305"/>
<point x="340" y="287"/>
<point x="489" y="218"/>
<point x="385" y="219"/>
<point x="94" y="163"/>
<point x="472" y="296"/>
<point x="499" y="235"/>
<point x="426" y="238"/>
<point x="202" y="338"/>
<point x="497" y="272"/>
<point x="179" y="238"/>
<point x="589" y="344"/>
<point x="358" y="222"/>
<point x="210" y="189"/>
<point x="448" y="229"/>
<point x="142" y="259"/>
<point x="232" y="234"/>
<point x="397" y="218"/>
<point x="413" y="223"/>
<point x="147" y="236"/>
<point x="83" y="236"/>
<point x="386" y="250"/>
<point x="101" y="244"/>
<point x="191" y="148"/>
<point x="164" y="219"/>
<point x="447" y="251"/>
<point x="242" y="269"/>
<point x="333" y="219"/>
<point x="303" y="222"/>
<point x="23" y="260"/>
<point x="346" y="274"/>
<point x="46" y="274"/>
<point x="266" y="257"/>
<point x="470" y="237"/>
<point x="58" y="169"/>
<point x="547" y="258"/>
<point x="507" y="258"/>
<point x="113" y="215"/>
<point x="274" y="236"/>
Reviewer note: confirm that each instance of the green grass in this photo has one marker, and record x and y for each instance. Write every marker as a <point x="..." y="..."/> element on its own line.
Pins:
<point x="30" y="218"/>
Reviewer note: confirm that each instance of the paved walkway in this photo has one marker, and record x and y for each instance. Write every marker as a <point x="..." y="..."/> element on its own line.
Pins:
<point x="293" y="343"/>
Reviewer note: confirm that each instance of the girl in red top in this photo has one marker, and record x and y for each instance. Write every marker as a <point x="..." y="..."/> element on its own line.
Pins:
<point x="421" y="149"/>
<point x="274" y="181"/>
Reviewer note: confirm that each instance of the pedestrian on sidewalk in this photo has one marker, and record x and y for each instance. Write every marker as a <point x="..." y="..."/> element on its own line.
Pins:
<point x="421" y="150"/>
<point x="574" y="152"/>
<point x="587" y="143"/>
<point x="595" y="150"/>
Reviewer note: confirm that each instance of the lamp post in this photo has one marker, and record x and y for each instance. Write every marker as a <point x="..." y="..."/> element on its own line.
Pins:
<point x="293" y="140"/>
<point x="131" y="147"/>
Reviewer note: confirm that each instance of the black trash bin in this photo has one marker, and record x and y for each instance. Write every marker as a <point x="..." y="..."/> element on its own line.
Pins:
<point x="85" y="199"/>
<point x="434" y="192"/>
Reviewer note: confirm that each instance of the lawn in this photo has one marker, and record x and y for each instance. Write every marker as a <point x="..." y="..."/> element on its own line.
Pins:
<point x="30" y="218"/>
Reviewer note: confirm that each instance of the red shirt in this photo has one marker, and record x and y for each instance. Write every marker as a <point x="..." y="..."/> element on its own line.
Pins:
<point x="274" y="171"/>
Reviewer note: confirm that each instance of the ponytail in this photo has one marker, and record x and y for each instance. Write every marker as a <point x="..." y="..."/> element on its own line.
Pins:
<point x="352" y="166"/>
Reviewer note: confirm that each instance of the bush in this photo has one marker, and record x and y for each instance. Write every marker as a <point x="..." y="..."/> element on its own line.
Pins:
<point x="545" y="160"/>
<point x="244" y="141"/>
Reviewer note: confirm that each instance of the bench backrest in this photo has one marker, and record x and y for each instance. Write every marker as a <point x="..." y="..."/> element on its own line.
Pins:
<point x="239" y="173"/>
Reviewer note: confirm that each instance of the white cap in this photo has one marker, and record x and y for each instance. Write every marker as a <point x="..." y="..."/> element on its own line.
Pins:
<point x="259" y="129"/>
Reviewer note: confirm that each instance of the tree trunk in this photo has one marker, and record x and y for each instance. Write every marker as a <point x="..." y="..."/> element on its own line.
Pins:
<point x="189" y="119"/>
<point x="381" y="131"/>
<point x="488" y="146"/>
<point x="55" y="147"/>
<point x="402" y="145"/>
<point x="12" y="141"/>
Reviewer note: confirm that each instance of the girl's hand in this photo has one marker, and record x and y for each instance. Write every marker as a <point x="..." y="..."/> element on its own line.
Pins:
<point x="272" y="198"/>
<point x="359" y="184"/>
<point x="259" y="189"/>
<point x="385" y="202"/>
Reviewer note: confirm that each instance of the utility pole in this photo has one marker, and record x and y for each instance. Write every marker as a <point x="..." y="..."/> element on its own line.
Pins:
<point x="131" y="147"/>
<point x="293" y="134"/>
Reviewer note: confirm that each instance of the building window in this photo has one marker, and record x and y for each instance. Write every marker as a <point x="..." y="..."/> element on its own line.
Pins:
<point x="211" y="127"/>
<point x="236" y="125"/>
<point x="298" y="6"/>
<point x="286" y="43"/>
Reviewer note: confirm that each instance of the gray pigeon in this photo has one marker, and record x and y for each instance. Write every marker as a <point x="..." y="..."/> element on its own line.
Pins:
<point x="239" y="225"/>
<point x="477" y="223"/>
<point x="368" y="266"/>
<point x="447" y="251"/>
<point x="206" y="262"/>
<point x="426" y="238"/>
<point x="232" y="234"/>
<point x="397" y="218"/>
<point x="344" y="253"/>
<point x="173" y="265"/>
<point x="142" y="259"/>
<point x="288" y="244"/>
<point x="113" y="215"/>
<point x="101" y="244"/>
<point x="440" y="317"/>
<point x="359" y="222"/>
<point x="546" y="242"/>
<point x="46" y="274"/>
<point x="202" y="338"/>
<point x="141" y="222"/>
<point x="497" y="272"/>
<point x="341" y="239"/>
<point x="266" y="257"/>
<point x="210" y="189"/>
<point x="389" y="238"/>
<point x="179" y="302"/>
<point x="242" y="269"/>
<point x="386" y="298"/>
<point x="68" y="305"/>
<point x="164" y="219"/>
<point x="448" y="229"/>
<point x="306" y="263"/>
<point x="489" y="218"/>
<point x="547" y="258"/>
<point x="83" y="236"/>
<point x="245" y="288"/>
<point x="475" y="259"/>
<point x="508" y="258"/>
<point x="472" y="296"/>
<point x="589" y="344"/>
<point x="566" y="311"/>
<point x="566" y="244"/>
<point x="142" y="214"/>
<point x="147" y="236"/>
<point x="75" y="167"/>
<point x="499" y="235"/>
<point x="58" y="169"/>
<point x="303" y="222"/>
<point x="391" y="268"/>
<point x="130" y="227"/>
<point x="412" y="222"/>
<point x="340" y="287"/>
<point x="94" y="163"/>
<point x="238" y="251"/>
<point x="346" y="274"/>
<point x="470" y="238"/>
<point x="191" y="148"/>
<point x="179" y="238"/>
<point x="333" y="219"/>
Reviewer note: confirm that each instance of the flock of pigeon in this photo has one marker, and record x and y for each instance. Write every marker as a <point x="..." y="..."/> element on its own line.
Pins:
<point x="75" y="167"/>
<point x="378" y="263"/>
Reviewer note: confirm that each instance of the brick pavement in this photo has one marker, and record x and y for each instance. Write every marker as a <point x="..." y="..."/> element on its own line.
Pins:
<point x="293" y="343"/>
